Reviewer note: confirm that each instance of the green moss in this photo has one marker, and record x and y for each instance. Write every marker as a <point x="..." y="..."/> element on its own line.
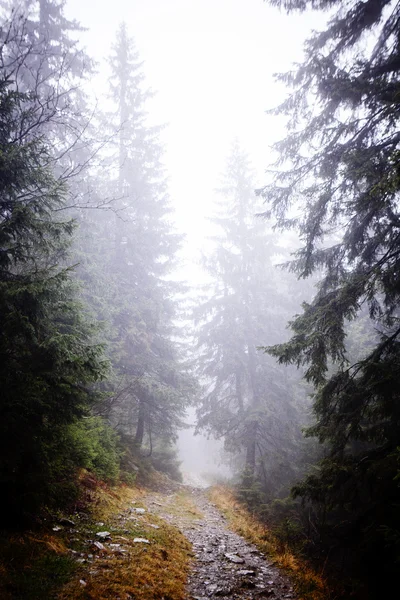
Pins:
<point x="31" y="570"/>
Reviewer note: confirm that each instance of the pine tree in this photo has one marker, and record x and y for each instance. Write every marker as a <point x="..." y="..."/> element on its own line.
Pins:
<point x="53" y="71"/>
<point x="248" y="400"/>
<point x="340" y="174"/>
<point x="53" y="58"/>
<point x="48" y="362"/>
<point x="151" y="387"/>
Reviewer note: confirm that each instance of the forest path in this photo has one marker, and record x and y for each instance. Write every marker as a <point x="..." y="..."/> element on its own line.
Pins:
<point x="225" y="565"/>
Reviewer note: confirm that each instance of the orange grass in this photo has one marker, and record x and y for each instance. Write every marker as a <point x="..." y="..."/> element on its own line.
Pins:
<point x="143" y="574"/>
<point x="144" y="571"/>
<point x="66" y="565"/>
<point x="183" y="506"/>
<point x="309" y="584"/>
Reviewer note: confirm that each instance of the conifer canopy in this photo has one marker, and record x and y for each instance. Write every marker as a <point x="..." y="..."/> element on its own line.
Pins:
<point x="337" y="183"/>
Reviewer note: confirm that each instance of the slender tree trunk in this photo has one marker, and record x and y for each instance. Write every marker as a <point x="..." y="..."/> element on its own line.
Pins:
<point x="251" y="449"/>
<point x="120" y="227"/>
<point x="252" y="426"/>
<point x="140" y="425"/>
<point x="239" y="391"/>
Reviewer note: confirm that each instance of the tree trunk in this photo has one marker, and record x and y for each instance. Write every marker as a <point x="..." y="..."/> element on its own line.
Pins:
<point x="239" y="392"/>
<point x="251" y="436"/>
<point x="252" y="426"/>
<point x="140" y="426"/>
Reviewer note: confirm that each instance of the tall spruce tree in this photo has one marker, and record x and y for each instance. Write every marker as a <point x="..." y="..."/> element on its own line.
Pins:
<point x="48" y="363"/>
<point x="54" y="64"/>
<point x="54" y="70"/>
<point x="339" y="174"/>
<point x="249" y="401"/>
<point x="151" y="387"/>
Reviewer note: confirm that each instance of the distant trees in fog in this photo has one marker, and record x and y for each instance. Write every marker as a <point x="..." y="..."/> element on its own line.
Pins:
<point x="252" y="403"/>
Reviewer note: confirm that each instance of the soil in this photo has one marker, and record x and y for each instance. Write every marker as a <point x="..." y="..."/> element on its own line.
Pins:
<point x="225" y="565"/>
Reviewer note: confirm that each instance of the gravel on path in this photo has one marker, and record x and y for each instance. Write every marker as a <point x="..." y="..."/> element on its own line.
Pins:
<point x="225" y="565"/>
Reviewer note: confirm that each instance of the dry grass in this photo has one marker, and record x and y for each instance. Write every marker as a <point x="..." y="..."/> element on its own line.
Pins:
<point x="50" y="542"/>
<point x="309" y="584"/>
<point x="181" y="505"/>
<point x="142" y="571"/>
<point x="66" y="565"/>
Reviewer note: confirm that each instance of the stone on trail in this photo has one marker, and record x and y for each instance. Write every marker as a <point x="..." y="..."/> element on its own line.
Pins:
<point x="226" y="565"/>
<point x="139" y="511"/>
<point x="141" y="540"/>
<point x="103" y="534"/>
<point x="245" y="572"/>
<point x="234" y="558"/>
<point x="98" y="545"/>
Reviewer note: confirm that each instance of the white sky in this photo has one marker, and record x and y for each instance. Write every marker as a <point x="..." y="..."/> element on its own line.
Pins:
<point x="211" y="63"/>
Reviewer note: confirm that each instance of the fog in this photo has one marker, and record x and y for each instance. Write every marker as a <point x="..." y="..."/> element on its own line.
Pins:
<point x="211" y="65"/>
<point x="203" y="460"/>
<point x="154" y="118"/>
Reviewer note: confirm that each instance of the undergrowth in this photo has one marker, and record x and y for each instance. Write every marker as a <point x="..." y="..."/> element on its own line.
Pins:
<point x="33" y="566"/>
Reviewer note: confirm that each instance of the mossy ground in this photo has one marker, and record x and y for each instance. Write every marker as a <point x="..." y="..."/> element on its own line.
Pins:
<point x="33" y="566"/>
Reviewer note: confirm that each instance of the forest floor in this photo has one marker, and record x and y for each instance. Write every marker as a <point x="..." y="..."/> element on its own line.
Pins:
<point x="136" y="544"/>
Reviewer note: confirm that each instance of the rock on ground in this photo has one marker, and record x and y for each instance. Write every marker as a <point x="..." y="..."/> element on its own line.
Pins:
<point x="225" y="564"/>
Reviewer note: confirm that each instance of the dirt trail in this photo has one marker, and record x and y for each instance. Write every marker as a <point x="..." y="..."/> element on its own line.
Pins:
<point x="225" y="565"/>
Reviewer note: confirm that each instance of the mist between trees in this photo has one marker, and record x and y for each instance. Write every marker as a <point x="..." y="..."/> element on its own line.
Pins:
<point x="103" y="350"/>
